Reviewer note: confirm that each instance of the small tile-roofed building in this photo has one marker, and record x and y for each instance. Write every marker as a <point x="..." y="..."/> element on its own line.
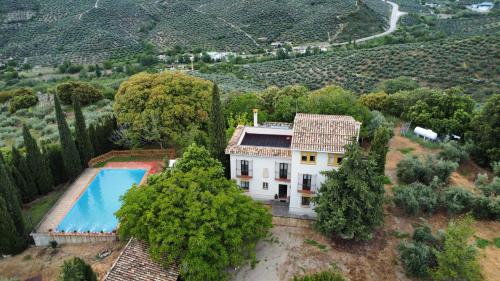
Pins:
<point x="283" y="161"/>
<point x="135" y="264"/>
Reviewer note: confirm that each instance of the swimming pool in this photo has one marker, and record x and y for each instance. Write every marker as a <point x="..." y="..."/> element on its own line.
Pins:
<point x="94" y="210"/>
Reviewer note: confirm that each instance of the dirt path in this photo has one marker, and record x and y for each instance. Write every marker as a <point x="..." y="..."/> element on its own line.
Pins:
<point x="396" y="14"/>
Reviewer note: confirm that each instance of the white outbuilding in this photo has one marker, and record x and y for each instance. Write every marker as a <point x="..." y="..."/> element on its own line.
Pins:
<point x="425" y="133"/>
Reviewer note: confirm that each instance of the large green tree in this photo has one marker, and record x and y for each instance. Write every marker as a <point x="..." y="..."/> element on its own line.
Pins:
<point x="217" y="128"/>
<point x="335" y="101"/>
<point x="448" y="112"/>
<point x="36" y="163"/>
<point x="380" y="147"/>
<point x="77" y="269"/>
<point x="194" y="214"/>
<point x="71" y="158"/>
<point x="82" y="138"/>
<point x="350" y="200"/>
<point x="458" y="259"/>
<point x="169" y="104"/>
<point x="10" y="240"/>
<point x="485" y="132"/>
<point x="9" y="193"/>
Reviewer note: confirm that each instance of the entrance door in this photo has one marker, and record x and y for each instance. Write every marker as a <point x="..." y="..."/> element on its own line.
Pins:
<point x="283" y="189"/>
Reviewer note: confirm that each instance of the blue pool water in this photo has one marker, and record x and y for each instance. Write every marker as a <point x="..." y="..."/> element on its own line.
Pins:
<point x="94" y="210"/>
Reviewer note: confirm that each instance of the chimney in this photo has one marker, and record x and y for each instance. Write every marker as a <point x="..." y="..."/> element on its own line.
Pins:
<point x="255" y="117"/>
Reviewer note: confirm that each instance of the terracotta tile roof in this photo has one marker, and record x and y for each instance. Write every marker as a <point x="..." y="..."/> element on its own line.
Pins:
<point x="328" y="133"/>
<point x="250" y="150"/>
<point x="135" y="264"/>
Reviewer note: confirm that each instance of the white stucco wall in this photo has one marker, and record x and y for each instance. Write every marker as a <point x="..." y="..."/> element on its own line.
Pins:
<point x="259" y="165"/>
<point x="313" y="169"/>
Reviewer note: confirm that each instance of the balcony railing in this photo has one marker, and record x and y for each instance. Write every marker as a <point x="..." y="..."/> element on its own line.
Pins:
<point x="307" y="189"/>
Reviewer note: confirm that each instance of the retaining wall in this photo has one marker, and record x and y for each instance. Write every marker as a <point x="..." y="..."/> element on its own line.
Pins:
<point x="294" y="222"/>
<point x="43" y="239"/>
<point x="153" y="153"/>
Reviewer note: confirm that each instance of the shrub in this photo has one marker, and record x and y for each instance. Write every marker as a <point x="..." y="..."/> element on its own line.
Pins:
<point x="417" y="258"/>
<point x="23" y="98"/>
<point x="5" y="96"/>
<point x="84" y="91"/>
<point x="423" y="234"/>
<point x="77" y="270"/>
<point x="53" y="244"/>
<point x="486" y="208"/>
<point x="452" y="151"/>
<point x="412" y="169"/>
<point x="322" y="276"/>
<point x="488" y="188"/>
<point x="415" y="198"/>
<point x="443" y="169"/>
<point x="375" y="101"/>
<point x="458" y="200"/>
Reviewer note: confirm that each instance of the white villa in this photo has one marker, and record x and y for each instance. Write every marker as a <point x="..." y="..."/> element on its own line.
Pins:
<point x="283" y="161"/>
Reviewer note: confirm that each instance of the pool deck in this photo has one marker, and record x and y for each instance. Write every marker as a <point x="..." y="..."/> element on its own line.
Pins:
<point x="66" y="202"/>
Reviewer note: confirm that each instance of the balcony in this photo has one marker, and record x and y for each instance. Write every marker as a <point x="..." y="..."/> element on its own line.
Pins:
<point x="307" y="189"/>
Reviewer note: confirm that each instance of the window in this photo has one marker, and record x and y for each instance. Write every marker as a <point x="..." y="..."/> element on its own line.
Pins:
<point x="245" y="185"/>
<point x="334" y="159"/>
<point x="306" y="181"/>
<point x="244" y="167"/>
<point x="308" y="157"/>
<point x="265" y="185"/>
<point x="306" y="201"/>
<point x="283" y="172"/>
<point x="339" y="160"/>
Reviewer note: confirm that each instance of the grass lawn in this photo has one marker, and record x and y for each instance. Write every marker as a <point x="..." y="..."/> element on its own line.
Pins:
<point x="34" y="212"/>
<point x="128" y="159"/>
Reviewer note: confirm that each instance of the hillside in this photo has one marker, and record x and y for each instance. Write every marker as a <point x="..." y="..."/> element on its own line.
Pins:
<point x="469" y="63"/>
<point x="89" y="31"/>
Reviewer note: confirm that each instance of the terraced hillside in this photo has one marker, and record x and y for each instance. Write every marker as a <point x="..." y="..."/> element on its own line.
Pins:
<point x="80" y="30"/>
<point x="470" y="63"/>
<point x="86" y="31"/>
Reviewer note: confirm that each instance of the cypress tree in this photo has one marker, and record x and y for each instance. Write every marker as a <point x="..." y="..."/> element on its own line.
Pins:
<point x="217" y="130"/>
<point x="8" y="192"/>
<point x="96" y="145"/>
<point x="24" y="191"/>
<point x="53" y="156"/>
<point x="81" y="135"/>
<point x="71" y="158"/>
<point x="380" y="147"/>
<point x="36" y="163"/>
<point x="10" y="241"/>
<point x="23" y="177"/>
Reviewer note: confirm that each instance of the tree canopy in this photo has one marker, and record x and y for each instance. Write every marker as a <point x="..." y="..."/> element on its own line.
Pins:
<point x="70" y="155"/>
<point x="77" y="269"/>
<point x="350" y="200"/>
<point x="193" y="214"/>
<point x="484" y="132"/>
<point x="85" y="92"/>
<point x="458" y="259"/>
<point x="168" y="104"/>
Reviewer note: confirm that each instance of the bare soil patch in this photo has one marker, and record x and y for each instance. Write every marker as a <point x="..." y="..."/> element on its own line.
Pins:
<point x="47" y="262"/>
